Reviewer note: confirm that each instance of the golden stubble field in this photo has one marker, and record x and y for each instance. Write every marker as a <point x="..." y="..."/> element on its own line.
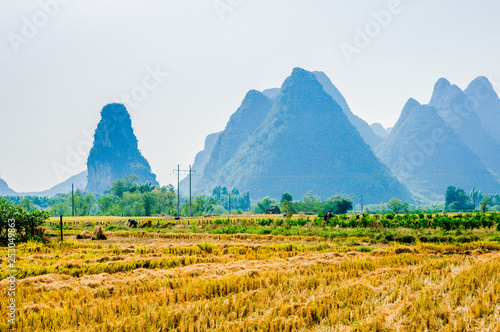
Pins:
<point x="242" y="282"/>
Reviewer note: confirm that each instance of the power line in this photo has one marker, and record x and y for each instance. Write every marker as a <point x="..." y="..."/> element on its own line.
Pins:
<point x="179" y="170"/>
<point x="72" y="200"/>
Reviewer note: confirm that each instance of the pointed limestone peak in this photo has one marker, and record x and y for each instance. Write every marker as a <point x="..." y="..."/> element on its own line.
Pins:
<point x="299" y="77"/>
<point x="251" y="112"/>
<point x="254" y="96"/>
<point x="115" y="153"/>
<point x="442" y="84"/>
<point x="410" y="105"/>
<point x="302" y="88"/>
<point x="440" y="89"/>
<point x="481" y="88"/>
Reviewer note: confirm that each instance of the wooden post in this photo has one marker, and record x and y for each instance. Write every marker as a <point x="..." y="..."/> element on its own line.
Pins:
<point x="61" y="223"/>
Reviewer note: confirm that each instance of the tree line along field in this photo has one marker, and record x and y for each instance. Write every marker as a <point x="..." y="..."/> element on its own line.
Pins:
<point x="263" y="273"/>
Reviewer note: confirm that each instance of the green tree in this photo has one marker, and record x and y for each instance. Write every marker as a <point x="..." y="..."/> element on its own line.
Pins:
<point x="122" y="185"/>
<point x="210" y="204"/>
<point x="106" y="203"/>
<point x="216" y="193"/>
<point x="145" y="187"/>
<point x="245" y="201"/>
<point x="450" y="196"/>
<point x="397" y="206"/>
<point x="311" y="202"/>
<point x="13" y="216"/>
<point x="457" y="199"/>
<point x="148" y="200"/>
<point x="263" y="204"/>
<point x="484" y="203"/>
<point x="288" y="208"/>
<point x="238" y="201"/>
<point x="337" y="205"/>
<point x="28" y="203"/>
<point x="60" y="209"/>
<point x="286" y="197"/>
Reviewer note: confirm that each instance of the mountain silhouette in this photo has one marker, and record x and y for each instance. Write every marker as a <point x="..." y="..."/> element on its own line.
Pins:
<point x="426" y="154"/>
<point x="459" y="112"/>
<point x="115" y="153"/>
<point x="306" y="142"/>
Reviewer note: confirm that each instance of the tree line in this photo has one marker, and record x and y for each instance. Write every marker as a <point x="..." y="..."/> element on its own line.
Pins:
<point x="127" y="197"/>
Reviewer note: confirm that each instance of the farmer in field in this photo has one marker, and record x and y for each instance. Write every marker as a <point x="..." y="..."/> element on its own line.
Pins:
<point x="132" y="223"/>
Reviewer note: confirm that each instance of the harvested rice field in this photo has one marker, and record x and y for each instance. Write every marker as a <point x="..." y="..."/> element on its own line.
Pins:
<point x="253" y="282"/>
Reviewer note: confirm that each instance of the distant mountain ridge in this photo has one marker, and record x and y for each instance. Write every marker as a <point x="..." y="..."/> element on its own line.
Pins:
<point x="486" y="104"/>
<point x="200" y="161"/>
<point x="425" y="153"/>
<point x="5" y="189"/>
<point x="79" y="181"/>
<point x="459" y="112"/>
<point x="303" y="136"/>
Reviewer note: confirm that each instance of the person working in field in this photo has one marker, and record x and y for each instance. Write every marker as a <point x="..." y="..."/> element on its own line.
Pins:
<point x="328" y="216"/>
<point x="132" y="223"/>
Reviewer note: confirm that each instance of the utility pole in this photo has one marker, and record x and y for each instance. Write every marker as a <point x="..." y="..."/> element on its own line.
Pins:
<point x="474" y="197"/>
<point x="361" y="203"/>
<point x="72" y="200"/>
<point x="178" y="191"/>
<point x="190" y="190"/>
<point x="61" y="225"/>
<point x="179" y="170"/>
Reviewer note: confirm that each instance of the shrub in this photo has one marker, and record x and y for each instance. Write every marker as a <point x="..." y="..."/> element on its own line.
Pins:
<point x="297" y="222"/>
<point x="25" y="222"/>
<point x="406" y="239"/>
<point x="365" y="249"/>
<point x="265" y="221"/>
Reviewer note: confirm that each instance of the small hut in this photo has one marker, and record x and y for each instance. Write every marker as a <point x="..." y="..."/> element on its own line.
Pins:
<point x="273" y="210"/>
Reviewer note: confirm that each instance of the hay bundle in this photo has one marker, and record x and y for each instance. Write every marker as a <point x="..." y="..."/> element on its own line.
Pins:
<point x="405" y="250"/>
<point x="84" y="235"/>
<point x="99" y="233"/>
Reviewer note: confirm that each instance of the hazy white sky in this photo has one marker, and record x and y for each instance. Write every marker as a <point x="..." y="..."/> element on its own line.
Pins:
<point x="59" y="70"/>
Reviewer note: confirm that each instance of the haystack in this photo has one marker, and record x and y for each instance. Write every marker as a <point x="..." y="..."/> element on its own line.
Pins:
<point x="84" y="235"/>
<point x="99" y="233"/>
